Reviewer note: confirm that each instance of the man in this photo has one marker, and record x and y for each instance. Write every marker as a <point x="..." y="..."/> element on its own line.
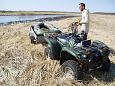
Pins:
<point x="84" y="23"/>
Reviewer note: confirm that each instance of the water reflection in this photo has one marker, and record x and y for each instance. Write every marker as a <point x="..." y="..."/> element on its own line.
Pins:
<point x="5" y="19"/>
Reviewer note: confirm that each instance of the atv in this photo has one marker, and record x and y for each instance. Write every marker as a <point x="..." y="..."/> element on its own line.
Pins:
<point x="76" y="55"/>
<point x="36" y="33"/>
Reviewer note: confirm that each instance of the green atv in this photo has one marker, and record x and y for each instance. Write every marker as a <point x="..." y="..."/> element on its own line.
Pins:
<point x="76" y="55"/>
<point x="36" y="33"/>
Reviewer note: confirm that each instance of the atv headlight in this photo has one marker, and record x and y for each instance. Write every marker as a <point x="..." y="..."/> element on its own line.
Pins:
<point x="84" y="56"/>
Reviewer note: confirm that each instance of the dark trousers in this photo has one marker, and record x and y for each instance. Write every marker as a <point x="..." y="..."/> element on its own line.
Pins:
<point x="85" y="36"/>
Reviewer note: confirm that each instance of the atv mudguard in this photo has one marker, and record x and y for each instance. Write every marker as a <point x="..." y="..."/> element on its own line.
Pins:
<point x="100" y="45"/>
<point x="68" y="54"/>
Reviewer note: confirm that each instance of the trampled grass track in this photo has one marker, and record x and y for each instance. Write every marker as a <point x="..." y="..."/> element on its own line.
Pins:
<point x="23" y="64"/>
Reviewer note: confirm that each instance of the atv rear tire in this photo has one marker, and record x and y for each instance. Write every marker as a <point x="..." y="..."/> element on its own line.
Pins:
<point x="72" y="68"/>
<point x="106" y="65"/>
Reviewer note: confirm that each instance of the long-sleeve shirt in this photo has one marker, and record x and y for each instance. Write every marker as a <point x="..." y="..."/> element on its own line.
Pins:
<point x="85" y="21"/>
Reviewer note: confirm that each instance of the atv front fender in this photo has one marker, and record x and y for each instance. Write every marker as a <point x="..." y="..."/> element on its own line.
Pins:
<point x="69" y="50"/>
<point x="68" y="54"/>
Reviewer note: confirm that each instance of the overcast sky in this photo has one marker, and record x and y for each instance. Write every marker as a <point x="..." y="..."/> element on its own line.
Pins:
<point x="58" y="5"/>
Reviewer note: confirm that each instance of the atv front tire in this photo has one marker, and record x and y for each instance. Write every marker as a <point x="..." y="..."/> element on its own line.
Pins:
<point x="72" y="68"/>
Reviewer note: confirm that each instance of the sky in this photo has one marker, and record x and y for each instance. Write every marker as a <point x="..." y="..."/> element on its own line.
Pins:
<point x="57" y="5"/>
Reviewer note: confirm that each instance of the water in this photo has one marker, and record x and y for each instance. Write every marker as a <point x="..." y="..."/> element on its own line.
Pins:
<point x="5" y="19"/>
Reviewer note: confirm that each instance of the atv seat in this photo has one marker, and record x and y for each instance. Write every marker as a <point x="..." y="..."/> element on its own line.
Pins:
<point x="86" y="43"/>
<point x="62" y="38"/>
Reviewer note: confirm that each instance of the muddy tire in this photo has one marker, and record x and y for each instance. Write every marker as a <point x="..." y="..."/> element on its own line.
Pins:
<point x="72" y="69"/>
<point x="106" y="65"/>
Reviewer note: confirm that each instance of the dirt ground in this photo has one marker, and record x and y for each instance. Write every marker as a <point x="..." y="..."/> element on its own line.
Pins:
<point x="23" y="63"/>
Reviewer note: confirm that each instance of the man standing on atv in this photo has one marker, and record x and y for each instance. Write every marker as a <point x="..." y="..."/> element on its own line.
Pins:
<point x="84" y="22"/>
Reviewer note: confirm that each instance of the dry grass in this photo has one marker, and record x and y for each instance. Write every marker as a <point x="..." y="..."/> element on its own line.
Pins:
<point x="23" y="64"/>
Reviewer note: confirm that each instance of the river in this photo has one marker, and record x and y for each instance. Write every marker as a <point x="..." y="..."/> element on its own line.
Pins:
<point x="6" y="19"/>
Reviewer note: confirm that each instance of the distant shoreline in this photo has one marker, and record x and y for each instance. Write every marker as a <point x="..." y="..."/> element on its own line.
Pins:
<point x="21" y="13"/>
<point x="102" y="13"/>
<point x="27" y="14"/>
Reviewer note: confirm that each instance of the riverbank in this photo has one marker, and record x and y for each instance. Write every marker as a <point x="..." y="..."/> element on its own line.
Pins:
<point x="24" y="64"/>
